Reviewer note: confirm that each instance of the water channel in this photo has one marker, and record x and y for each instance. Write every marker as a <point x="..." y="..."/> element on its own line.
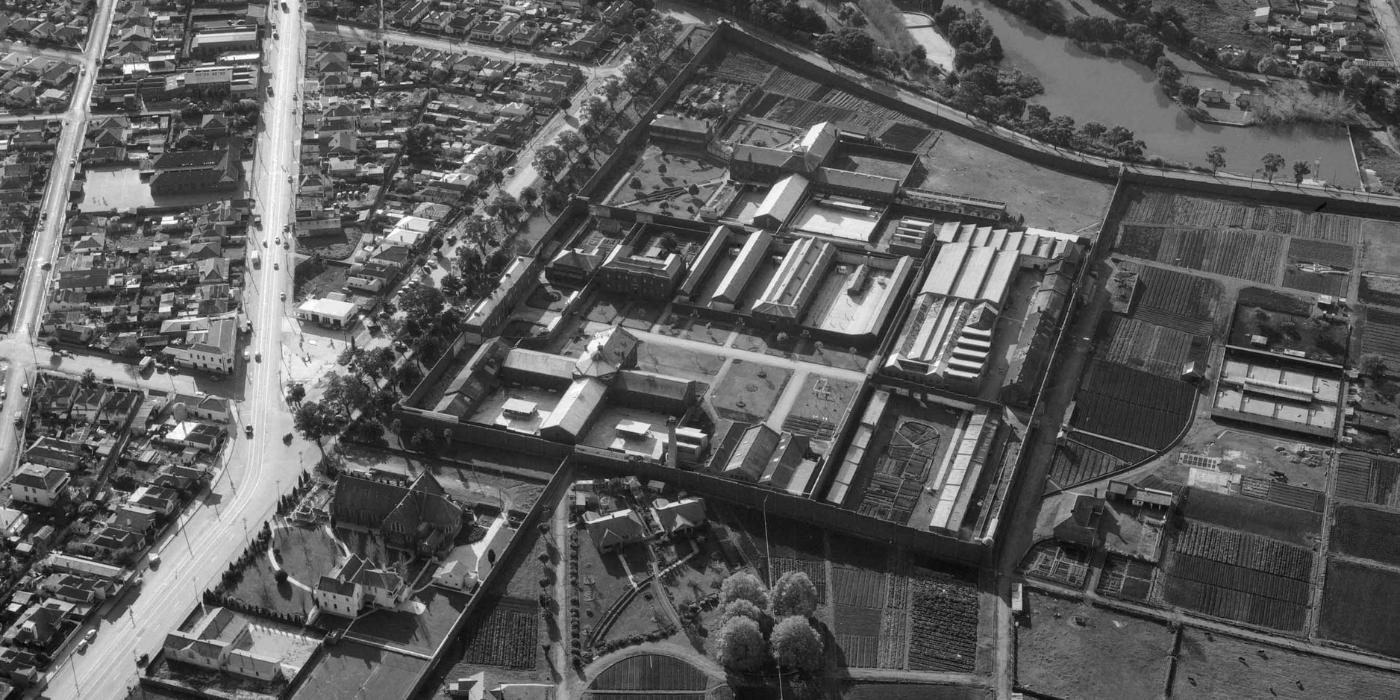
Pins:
<point x="1122" y="92"/>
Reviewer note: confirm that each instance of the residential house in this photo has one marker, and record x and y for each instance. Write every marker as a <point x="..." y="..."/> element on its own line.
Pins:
<point x="679" y="518"/>
<point x="221" y="640"/>
<point x="615" y="530"/>
<point x="39" y="485"/>
<point x="354" y="584"/>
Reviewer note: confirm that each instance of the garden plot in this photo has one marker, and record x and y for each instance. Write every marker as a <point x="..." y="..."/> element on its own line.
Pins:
<point x="1178" y="300"/>
<point x="943" y="622"/>
<point x="1380" y="334"/>
<point x="1358" y="608"/>
<point x="1308" y="277"/>
<point x="1366" y="532"/>
<point x="1380" y="289"/>
<point x="1074" y="651"/>
<point x="1056" y="562"/>
<point x="735" y="64"/>
<point x="1288" y="323"/>
<point x="1368" y="479"/>
<point x="1165" y="208"/>
<point x="1335" y="255"/>
<point x="1132" y="406"/>
<point x="504" y="634"/>
<point x="1380" y="246"/>
<point x="1076" y="463"/>
<point x="1241" y="254"/>
<point x="1208" y="667"/>
<point x="651" y="673"/>
<point x="1332" y="227"/>
<point x="1149" y="347"/>
<point x="859" y="604"/>
<point x="1126" y="578"/>
<point x="666" y="182"/>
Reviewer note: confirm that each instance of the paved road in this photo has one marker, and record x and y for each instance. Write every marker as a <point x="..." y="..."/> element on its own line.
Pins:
<point x="256" y="470"/>
<point x="17" y="346"/>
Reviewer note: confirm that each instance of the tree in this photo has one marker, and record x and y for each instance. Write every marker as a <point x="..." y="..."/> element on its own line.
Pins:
<point x="1130" y="150"/>
<point x="89" y="379"/>
<point x="423" y="440"/>
<point x="1301" y="169"/>
<point x="610" y="89"/>
<point x="740" y="646"/>
<point x="1273" y="163"/>
<point x="1216" y="158"/>
<point x="743" y="585"/>
<point x="296" y="393"/>
<point x="570" y="142"/>
<point x="315" y="422"/>
<point x="549" y="160"/>
<point x="743" y="608"/>
<point x="529" y="196"/>
<point x="796" y="645"/>
<point x="418" y="140"/>
<point x="1189" y="96"/>
<point x="1372" y="365"/>
<point x="793" y="594"/>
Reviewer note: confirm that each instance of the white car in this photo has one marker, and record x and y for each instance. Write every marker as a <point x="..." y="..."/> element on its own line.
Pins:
<point x="91" y="635"/>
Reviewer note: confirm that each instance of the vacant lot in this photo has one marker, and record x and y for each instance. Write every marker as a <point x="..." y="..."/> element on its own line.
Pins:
<point x="315" y="279"/>
<point x="1048" y="198"/>
<point x="1074" y="651"/>
<point x="1213" y="666"/>
<point x="1380" y="246"/>
<point x="1358" y="607"/>
<point x="333" y="246"/>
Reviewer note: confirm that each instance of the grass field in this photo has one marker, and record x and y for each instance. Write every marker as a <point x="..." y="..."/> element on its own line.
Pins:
<point x="1358" y="607"/>
<point x="1380" y="246"/>
<point x="1213" y="666"/>
<point x="308" y="553"/>
<point x="1074" y="651"/>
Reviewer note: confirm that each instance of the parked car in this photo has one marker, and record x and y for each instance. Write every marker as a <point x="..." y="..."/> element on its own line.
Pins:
<point x="91" y="635"/>
<point x="284" y="296"/>
<point x="248" y="430"/>
<point x="24" y="388"/>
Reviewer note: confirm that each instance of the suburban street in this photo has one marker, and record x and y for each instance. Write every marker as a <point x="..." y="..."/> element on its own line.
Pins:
<point x="17" y="347"/>
<point x="255" y="471"/>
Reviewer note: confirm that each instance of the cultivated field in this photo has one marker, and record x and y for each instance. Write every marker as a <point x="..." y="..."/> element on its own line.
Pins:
<point x="1132" y="406"/>
<point x="1368" y="533"/>
<point x="656" y="672"/>
<point x="1178" y="300"/>
<point x="1244" y="255"/>
<point x="1322" y="252"/>
<point x="1076" y="464"/>
<point x="505" y="633"/>
<point x="1230" y="574"/>
<point x="1358" y="608"/>
<point x="943" y="621"/>
<point x="1149" y="347"/>
<point x="1290" y="525"/>
<point x="1164" y="208"/>
<point x="1368" y="479"/>
<point x="1074" y="651"/>
<point x="1213" y="666"/>
<point x="734" y="64"/>
<point x="1380" y="334"/>
<point x="1381" y="289"/>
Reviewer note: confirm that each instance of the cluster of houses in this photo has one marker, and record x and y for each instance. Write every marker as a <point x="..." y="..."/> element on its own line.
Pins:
<point x="572" y="29"/>
<point x="173" y="155"/>
<point x="162" y="285"/>
<point x="158" y="53"/>
<point x="632" y="513"/>
<point x="35" y="82"/>
<point x="45" y="23"/>
<point x="26" y="156"/>
<point x="103" y="469"/>
<point x="1333" y="32"/>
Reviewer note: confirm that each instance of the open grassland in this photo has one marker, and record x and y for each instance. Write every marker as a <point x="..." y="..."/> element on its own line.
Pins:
<point x="1213" y="666"/>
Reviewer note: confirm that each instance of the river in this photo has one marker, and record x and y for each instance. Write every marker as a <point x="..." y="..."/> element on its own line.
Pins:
<point x="1122" y="92"/>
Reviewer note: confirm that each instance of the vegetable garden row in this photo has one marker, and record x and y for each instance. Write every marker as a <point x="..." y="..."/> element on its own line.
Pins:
<point x="1244" y="550"/>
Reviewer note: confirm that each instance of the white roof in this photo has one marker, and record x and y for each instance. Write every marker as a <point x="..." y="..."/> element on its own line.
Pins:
<point x="328" y="307"/>
<point x="783" y="198"/>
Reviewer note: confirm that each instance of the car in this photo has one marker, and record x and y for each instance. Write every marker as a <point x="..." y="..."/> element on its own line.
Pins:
<point x="24" y="388"/>
<point x="73" y="163"/>
<point x="452" y="240"/>
<point x="82" y="646"/>
<point x="142" y="660"/>
<point x="46" y="266"/>
<point x="2" y="393"/>
<point x="510" y="172"/>
<point x="248" y="430"/>
<point x="286" y="228"/>
<point x="258" y="357"/>
<point x="284" y="296"/>
<point x="278" y="241"/>
<point x="289" y="177"/>
<point x="275" y="266"/>
<point x="19" y="421"/>
<point x="153" y="559"/>
<point x="274" y="36"/>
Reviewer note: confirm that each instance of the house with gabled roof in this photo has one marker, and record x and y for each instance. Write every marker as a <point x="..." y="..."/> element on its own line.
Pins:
<point x="417" y="517"/>
<point x="39" y="485"/>
<point x="679" y="518"/>
<point x="356" y="584"/>
<point x="615" y="530"/>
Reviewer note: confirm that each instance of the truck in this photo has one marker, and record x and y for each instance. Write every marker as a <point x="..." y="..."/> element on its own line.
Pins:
<point x="256" y="257"/>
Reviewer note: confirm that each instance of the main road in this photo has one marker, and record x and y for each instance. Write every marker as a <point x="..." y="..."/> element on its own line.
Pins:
<point x="18" y="347"/>
<point x="255" y="470"/>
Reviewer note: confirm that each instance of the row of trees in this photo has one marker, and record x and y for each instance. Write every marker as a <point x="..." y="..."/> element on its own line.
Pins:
<point x="758" y="627"/>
